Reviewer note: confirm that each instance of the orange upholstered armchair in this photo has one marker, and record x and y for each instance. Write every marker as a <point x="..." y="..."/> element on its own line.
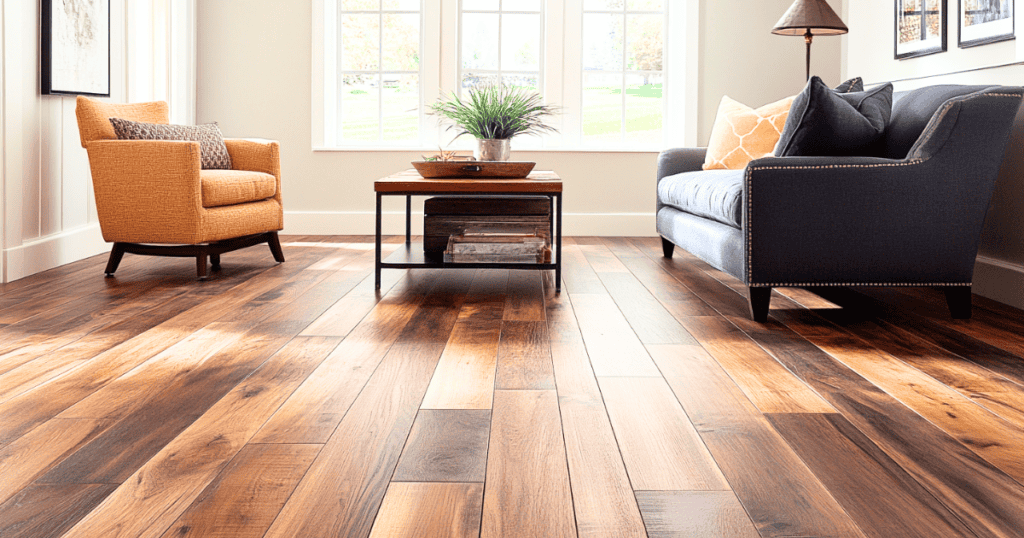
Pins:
<point x="153" y="198"/>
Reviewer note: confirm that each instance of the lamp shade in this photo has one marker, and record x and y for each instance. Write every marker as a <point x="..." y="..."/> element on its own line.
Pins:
<point x="813" y="17"/>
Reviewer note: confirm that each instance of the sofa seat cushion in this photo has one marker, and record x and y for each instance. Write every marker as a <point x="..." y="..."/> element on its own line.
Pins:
<point x="712" y="194"/>
<point x="230" y="187"/>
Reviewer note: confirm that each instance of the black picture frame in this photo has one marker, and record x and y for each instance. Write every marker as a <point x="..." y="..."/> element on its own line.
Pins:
<point x="989" y="32"/>
<point x="75" y="48"/>
<point x="911" y="23"/>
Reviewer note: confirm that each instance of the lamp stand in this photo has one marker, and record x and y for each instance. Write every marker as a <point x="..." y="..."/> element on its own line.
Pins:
<point x="808" y="37"/>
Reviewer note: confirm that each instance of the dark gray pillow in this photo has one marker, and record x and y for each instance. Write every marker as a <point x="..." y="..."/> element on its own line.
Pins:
<point x="214" y="153"/>
<point x="855" y="84"/>
<point x="822" y="122"/>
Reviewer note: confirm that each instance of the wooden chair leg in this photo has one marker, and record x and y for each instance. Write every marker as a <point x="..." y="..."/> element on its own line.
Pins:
<point x="667" y="247"/>
<point x="215" y="262"/>
<point x="759" y="299"/>
<point x="116" y="253"/>
<point x="201" y="265"/>
<point x="958" y="298"/>
<point x="275" y="247"/>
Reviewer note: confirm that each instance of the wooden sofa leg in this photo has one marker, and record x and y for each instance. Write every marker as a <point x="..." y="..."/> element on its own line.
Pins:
<point x="116" y="253"/>
<point x="667" y="247"/>
<point x="275" y="247"/>
<point x="959" y="300"/>
<point x="759" y="299"/>
<point x="215" y="262"/>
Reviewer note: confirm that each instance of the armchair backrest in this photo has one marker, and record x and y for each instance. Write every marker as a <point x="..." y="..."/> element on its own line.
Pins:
<point x="94" y="117"/>
<point x="911" y="112"/>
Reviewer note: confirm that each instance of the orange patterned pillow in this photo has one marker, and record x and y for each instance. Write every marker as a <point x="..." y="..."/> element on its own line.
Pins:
<point x="742" y="134"/>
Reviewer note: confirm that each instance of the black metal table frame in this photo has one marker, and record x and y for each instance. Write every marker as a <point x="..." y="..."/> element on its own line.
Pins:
<point x="554" y="228"/>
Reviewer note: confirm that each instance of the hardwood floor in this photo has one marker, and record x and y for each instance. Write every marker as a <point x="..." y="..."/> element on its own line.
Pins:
<point x="296" y="400"/>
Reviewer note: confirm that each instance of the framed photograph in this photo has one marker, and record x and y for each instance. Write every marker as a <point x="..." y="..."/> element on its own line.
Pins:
<point x="920" y="27"/>
<point x="984" y="21"/>
<point x="76" y="47"/>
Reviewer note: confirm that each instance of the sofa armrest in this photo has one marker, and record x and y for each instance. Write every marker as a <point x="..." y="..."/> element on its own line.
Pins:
<point x="858" y="220"/>
<point x="977" y="117"/>
<point x="256" y="155"/>
<point x="679" y="160"/>
<point x="147" y="190"/>
<point x="676" y="161"/>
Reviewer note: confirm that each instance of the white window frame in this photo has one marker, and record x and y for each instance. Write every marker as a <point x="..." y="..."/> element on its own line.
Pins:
<point x="326" y="73"/>
<point x="160" y="38"/>
<point x="560" y="77"/>
<point x="501" y="71"/>
<point x="624" y="72"/>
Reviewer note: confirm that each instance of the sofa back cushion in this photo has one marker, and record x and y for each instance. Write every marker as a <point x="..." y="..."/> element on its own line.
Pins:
<point x="911" y="112"/>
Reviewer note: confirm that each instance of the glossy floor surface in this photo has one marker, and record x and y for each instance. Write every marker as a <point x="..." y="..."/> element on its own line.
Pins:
<point x="293" y="400"/>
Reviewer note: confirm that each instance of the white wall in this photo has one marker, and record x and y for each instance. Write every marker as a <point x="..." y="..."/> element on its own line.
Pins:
<point x="741" y="58"/>
<point x="48" y="211"/>
<point x="999" y="272"/>
<point x="254" y="78"/>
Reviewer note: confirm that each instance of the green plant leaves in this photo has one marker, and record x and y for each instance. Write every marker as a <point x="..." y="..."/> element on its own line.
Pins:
<point x="495" y="111"/>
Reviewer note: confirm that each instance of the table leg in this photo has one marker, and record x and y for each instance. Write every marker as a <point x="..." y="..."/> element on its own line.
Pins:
<point x="558" y="251"/>
<point x="376" y="277"/>
<point x="551" y="216"/>
<point x="408" y="220"/>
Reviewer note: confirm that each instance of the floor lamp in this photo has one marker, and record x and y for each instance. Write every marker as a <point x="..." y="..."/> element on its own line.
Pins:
<point x="810" y="18"/>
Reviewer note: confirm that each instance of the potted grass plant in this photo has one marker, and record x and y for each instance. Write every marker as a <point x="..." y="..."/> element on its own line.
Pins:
<point x="493" y="114"/>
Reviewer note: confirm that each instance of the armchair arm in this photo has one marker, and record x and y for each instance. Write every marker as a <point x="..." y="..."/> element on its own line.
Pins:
<point x="256" y="155"/>
<point x="858" y="220"/>
<point x="147" y="191"/>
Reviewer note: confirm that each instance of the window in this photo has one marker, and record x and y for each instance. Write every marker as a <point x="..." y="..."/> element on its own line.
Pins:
<point x="620" y="79"/>
<point x="160" y="49"/>
<point x="376" y="75"/>
<point x="501" y="41"/>
<point x="623" y="54"/>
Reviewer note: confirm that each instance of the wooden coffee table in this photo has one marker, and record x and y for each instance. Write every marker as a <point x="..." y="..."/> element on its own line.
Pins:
<point x="409" y="183"/>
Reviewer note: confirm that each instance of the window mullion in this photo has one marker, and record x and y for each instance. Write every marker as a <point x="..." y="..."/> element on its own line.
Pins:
<point x="553" y="72"/>
<point x="339" y="128"/>
<point x="572" y="69"/>
<point x="380" y="76"/>
<point x="622" y="75"/>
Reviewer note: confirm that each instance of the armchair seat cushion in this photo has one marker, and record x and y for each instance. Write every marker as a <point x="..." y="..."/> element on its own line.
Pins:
<point x="231" y="187"/>
<point x="712" y="194"/>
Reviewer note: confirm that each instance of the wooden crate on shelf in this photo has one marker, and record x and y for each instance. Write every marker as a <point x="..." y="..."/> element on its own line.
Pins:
<point x="448" y="216"/>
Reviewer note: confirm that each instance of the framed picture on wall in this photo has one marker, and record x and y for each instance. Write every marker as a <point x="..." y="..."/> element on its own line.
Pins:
<point x="920" y="27"/>
<point x="75" y="49"/>
<point x="984" y="21"/>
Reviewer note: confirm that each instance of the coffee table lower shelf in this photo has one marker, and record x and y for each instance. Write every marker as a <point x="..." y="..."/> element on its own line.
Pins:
<point x="409" y="183"/>
<point x="411" y="256"/>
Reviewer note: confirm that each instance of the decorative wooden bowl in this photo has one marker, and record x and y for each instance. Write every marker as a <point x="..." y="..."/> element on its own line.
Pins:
<point x="474" y="169"/>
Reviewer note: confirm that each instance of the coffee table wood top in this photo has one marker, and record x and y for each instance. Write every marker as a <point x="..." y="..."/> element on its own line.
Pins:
<point x="410" y="181"/>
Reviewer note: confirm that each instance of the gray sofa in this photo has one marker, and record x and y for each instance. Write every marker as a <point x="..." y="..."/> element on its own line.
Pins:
<point x="910" y="216"/>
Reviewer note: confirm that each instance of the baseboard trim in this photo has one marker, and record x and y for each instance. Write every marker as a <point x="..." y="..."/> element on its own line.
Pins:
<point x="999" y="280"/>
<point x="52" y="251"/>
<point x="393" y="222"/>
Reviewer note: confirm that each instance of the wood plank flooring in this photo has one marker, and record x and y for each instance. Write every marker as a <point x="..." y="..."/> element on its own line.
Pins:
<point x="285" y="400"/>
